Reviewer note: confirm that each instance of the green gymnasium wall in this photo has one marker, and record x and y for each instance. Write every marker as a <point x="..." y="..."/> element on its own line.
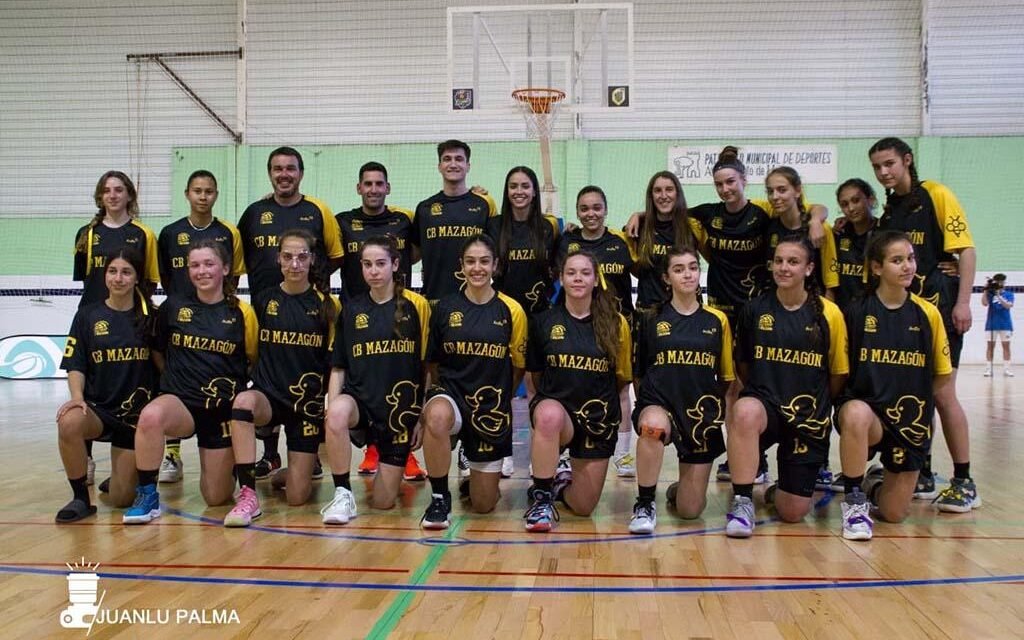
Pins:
<point x="985" y="173"/>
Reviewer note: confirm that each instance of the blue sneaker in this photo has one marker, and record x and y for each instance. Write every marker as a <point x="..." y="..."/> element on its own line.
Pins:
<point x="146" y="506"/>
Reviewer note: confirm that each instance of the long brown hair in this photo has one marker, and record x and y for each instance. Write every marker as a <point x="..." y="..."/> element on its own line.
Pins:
<point x="143" y="305"/>
<point x="878" y="244"/>
<point x="902" y="149"/>
<point x="388" y="243"/>
<point x="682" y="236"/>
<point x="810" y="284"/>
<point x="84" y="241"/>
<point x="793" y="178"/>
<point x="317" y="274"/>
<point x="604" y="309"/>
<point x="534" y="222"/>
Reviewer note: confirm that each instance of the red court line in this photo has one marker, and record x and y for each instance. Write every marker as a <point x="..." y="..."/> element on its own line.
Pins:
<point x="230" y="567"/>
<point x="648" y="576"/>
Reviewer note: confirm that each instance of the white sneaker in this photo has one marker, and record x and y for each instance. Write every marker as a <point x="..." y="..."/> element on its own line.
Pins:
<point x="341" y="509"/>
<point x="988" y="372"/>
<point x="645" y="518"/>
<point x="857" y="521"/>
<point x="508" y="467"/>
<point x="1008" y="372"/>
<point x="625" y="465"/>
<point x="171" y="469"/>
<point x="739" y="522"/>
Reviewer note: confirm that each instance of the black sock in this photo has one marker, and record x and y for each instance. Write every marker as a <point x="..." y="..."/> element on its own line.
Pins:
<point x="745" y="490"/>
<point x="762" y="466"/>
<point x="88" y="448"/>
<point x="543" y="484"/>
<point x="927" y="468"/>
<point x="646" y="494"/>
<point x="850" y="483"/>
<point x="80" y="489"/>
<point x="270" y="447"/>
<point x="439" y="485"/>
<point x="246" y="474"/>
<point x="148" y="476"/>
<point x="341" y="480"/>
<point x="962" y="470"/>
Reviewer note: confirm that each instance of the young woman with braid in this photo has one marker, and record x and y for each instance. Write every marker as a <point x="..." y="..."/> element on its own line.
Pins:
<point x="579" y="354"/>
<point x="206" y="343"/>
<point x="899" y="361"/>
<point x="111" y="376"/>
<point x="296" y="321"/>
<point x="931" y="216"/>
<point x="377" y="379"/>
<point x="791" y="357"/>
<point x="683" y="367"/>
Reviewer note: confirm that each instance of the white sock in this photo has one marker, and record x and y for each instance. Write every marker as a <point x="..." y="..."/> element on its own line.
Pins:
<point x="623" y="445"/>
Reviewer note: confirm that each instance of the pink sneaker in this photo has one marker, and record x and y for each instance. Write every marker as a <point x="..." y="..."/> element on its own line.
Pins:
<point x="247" y="509"/>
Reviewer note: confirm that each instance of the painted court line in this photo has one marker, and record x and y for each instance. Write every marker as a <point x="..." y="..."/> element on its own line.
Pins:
<point x="226" y="567"/>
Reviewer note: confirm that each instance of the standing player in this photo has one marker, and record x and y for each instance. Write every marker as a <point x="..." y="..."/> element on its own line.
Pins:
<point x="172" y="256"/>
<point x="998" y="323"/>
<point x="683" y="367"/>
<point x="207" y="342"/>
<point x="445" y="220"/>
<point x="475" y="357"/>
<point x="579" y="355"/>
<point x="791" y="356"/>
<point x="296" y="332"/>
<point x="857" y="201"/>
<point x="616" y="257"/>
<point x="111" y="377"/>
<point x="114" y="226"/>
<point x="930" y="214"/>
<point x="261" y="225"/>
<point x="377" y="378"/>
<point x="899" y="359"/>
<point x="375" y="218"/>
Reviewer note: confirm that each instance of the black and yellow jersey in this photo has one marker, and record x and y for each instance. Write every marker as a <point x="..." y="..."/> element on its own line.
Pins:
<point x="790" y="356"/>
<point x="172" y="251"/>
<point x="100" y="242"/>
<point x="294" y="348"/>
<point x="576" y="372"/>
<point x="825" y="274"/>
<point x="735" y="244"/>
<point x="850" y="250"/>
<point x="650" y="286"/>
<point x="441" y="225"/>
<point x="264" y="220"/>
<point x="521" y="277"/>
<point x="208" y="349"/>
<point x="113" y="355"/>
<point x="384" y="368"/>
<point x="476" y="348"/>
<point x="894" y="354"/>
<point x="937" y="226"/>
<point x="616" y="256"/>
<point x="357" y="227"/>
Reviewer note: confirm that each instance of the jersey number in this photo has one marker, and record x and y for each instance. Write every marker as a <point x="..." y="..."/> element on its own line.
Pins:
<point x="799" y="447"/>
<point x="899" y="455"/>
<point x="69" y="348"/>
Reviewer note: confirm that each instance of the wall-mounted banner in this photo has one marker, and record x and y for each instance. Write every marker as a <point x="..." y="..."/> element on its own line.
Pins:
<point x="26" y="357"/>
<point x="816" y="163"/>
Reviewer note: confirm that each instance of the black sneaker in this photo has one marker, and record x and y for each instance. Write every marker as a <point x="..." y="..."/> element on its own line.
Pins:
<point x="438" y="513"/>
<point x="267" y="466"/>
<point x="318" y="470"/>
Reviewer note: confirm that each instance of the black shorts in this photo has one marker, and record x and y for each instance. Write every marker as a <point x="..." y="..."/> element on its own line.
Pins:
<point x="392" y="447"/>
<point x="691" y="448"/>
<point x="486" y="437"/>
<point x="798" y="479"/>
<point x="212" y="426"/>
<point x="117" y="432"/>
<point x="591" y="439"/>
<point x="794" y="447"/>
<point x="302" y="433"/>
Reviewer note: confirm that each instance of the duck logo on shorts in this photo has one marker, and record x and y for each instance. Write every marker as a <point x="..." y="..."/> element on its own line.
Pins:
<point x="707" y="418"/>
<point x="183" y="239"/>
<point x="488" y="418"/>
<point x="218" y="389"/>
<point x="801" y="411"/>
<point x="132" y="406"/>
<point x="907" y="415"/>
<point x="362" y="321"/>
<point x="184" y="314"/>
<point x="870" y="324"/>
<point x="766" y="322"/>
<point x="593" y="415"/>
<point x="267" y="217"/>
<point x="272" y="307"/>
<point x="455" y="319"/>
<point x="101" y="328"/>
<point x="405" y="410"/>
<point x="436" y="209"/>
<point x="558" y="332"/>
<point x="308" y="392"/>
<point x="663" y="329"/>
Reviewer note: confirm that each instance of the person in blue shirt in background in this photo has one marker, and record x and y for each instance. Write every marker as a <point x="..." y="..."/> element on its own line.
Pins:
<point x="998" y="323"/>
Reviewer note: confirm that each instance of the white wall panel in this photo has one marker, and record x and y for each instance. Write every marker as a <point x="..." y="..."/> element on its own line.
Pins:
<point x="976" y="67"/>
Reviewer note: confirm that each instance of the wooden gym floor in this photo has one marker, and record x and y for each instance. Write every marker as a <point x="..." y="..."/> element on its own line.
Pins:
<point x="935" y="576"/>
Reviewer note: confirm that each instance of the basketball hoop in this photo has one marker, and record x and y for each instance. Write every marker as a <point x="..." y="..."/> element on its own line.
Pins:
<point x="540" y="109"/>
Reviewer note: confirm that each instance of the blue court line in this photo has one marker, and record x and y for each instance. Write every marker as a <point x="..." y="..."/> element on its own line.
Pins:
<point x="458" y="541"/>
<point x="806" y="586"/>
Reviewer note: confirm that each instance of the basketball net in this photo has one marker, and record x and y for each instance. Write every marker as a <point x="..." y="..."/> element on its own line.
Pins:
<point x="539" y="107"/>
